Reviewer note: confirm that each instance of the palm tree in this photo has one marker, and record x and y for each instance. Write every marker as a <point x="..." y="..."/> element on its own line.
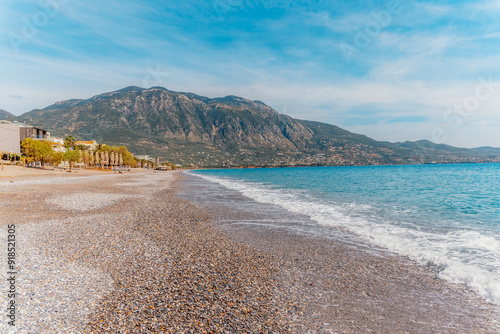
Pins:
<point x="69" y="142"/>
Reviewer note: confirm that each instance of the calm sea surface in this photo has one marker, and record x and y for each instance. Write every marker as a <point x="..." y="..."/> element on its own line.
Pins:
<point x="444" y="216"/>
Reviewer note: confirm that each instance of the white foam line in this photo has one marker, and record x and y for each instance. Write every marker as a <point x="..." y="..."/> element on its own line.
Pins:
<point x="479" y="273"/>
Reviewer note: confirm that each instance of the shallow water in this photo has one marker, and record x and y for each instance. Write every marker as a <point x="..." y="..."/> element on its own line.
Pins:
<point x="444" y="216"/>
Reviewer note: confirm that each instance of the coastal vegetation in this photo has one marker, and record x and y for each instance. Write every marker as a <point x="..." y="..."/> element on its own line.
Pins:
<point x="72" y="157"/>
<point x="104" y="156"/>
<point x="38" y="151"/>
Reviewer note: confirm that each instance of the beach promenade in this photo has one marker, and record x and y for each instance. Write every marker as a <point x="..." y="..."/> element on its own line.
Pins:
<point x="97" y="252"/>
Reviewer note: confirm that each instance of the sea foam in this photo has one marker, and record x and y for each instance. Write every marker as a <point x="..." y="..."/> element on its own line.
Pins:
<point x="464" y="256"/>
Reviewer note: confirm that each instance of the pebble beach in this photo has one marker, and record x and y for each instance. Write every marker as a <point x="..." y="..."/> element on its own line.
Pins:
<point x="122" y="253"/>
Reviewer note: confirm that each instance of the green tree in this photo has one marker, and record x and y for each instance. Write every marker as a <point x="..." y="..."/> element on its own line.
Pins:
<point x="71" y="156"/>
<point x="37" y="151"/>
<point x="80" y="147"/>
<point x="69" y="142"/>
<point x="127" y="158"/>
<point x="56" y="158"/>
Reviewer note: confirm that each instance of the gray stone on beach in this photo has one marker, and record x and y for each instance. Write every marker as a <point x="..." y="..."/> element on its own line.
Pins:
<point x="86" y="201"/>
<point x="54" y="295"/>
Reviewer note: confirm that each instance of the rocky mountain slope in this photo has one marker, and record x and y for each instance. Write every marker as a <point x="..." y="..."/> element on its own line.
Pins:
<point x="186" y="128"/>
<point x="5" y="115"/>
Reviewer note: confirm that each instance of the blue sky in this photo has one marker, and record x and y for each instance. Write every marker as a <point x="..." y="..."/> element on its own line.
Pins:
<point x="393" y="70"/>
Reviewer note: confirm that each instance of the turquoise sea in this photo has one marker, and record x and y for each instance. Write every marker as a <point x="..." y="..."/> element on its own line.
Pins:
<point x="446" y="217"/>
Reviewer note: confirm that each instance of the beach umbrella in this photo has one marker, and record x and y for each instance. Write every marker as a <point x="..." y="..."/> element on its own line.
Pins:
<point x="103" y="161"/>
<point x="97" y="158"/>
<point x="91" y="160"/>
<point x="120" y="159"/>
<point x="86" y="158"/>
<point x="106" y="158"/>
<point x="112" y="159"/>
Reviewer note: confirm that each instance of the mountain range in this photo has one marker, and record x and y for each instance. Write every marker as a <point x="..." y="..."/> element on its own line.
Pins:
<point x="5" y="115"/>
<point x="185" y="128"/>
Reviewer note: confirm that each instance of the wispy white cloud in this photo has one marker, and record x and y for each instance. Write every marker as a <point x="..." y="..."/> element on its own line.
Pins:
<point x="486" y="6"/>
<point x="429" y="57"/>
<point x="436" y="10"/>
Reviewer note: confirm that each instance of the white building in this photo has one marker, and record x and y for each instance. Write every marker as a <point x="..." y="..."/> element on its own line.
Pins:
<point x="9" y="138"/>
<point x="90" y="145"/>
<point x="13" y="133"/>
<point x="56" y="143"/>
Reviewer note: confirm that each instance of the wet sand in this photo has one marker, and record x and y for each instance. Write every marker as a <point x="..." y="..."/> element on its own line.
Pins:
<point x="121" y="253"/>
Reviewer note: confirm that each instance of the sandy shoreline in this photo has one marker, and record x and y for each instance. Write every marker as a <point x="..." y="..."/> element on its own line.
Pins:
<point x="109" y="253"/>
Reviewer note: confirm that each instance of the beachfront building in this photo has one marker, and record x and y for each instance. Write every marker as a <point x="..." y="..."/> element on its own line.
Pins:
<point x="143" y="157"/>
<point x="57" y="147"/>
<point x="90" y="145"/>
<point x="13" y="133"/>
<point x="9" y="138"/>
<point x="56" y="143"/>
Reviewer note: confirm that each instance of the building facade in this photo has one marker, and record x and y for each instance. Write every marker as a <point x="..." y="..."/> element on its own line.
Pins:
<point x="90" y="145"/>
<point x="9" y="138"/>
<point x="13" y="133"/>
